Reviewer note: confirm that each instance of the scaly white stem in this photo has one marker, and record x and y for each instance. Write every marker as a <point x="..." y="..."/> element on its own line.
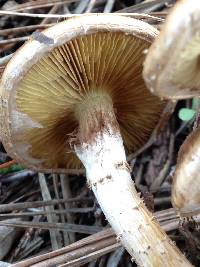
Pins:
<point x="109" y="177"/>
<point x="100" y="148"/>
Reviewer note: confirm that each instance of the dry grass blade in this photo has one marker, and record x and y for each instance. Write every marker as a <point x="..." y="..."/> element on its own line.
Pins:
<point x="94" y="244"/>
<point x="91" y="5"/>
<point x="66" y="192"/>
<point x="8" y="236"/>
<point x="81" y="6"/>
<point x="89" y="257"/>
<point x="65" y="236"/>
<point x="85" y="229"/>
<point x="36" y="213"/>
<point x="27" y="28"/>
<point x="36" y="204"/>
<point x="51" y="217"/>
<point x="160" y="178"/>
<point x="85" y="246"/>
<point x="14" y="40"/>
<point x="17" y="176"/>
<point x="54" y="16"/>
<point x="4" y="60"/>
<point x="161" y="14"/>
<point x="109" y="6"/>
<point x="39" y="4"/>
<point x="146" y="7"/>
<point x="53" y="10"/>
<point x="165" y="215"/>
<point x="34" y="244"/>
<point x="150" y="19"/>
<point x="115" y="257"/>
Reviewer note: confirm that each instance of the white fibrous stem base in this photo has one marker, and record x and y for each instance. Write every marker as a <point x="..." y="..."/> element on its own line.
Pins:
<point x="108" y="175"/>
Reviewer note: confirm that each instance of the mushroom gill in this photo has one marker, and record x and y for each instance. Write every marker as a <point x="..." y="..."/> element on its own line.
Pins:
<point x="62" y="79"/>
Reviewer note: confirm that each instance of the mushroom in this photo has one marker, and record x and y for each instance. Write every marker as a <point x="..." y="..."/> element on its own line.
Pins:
<point x="186" y="180"/>
<point x="171" y="70"/>
<point x="71" y="94"/>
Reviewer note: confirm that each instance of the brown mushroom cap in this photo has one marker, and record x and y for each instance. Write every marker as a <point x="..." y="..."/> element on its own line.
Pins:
<point x="55" y="70"/>
<point x="172" y="66"/>
<point x="186" y="186"/>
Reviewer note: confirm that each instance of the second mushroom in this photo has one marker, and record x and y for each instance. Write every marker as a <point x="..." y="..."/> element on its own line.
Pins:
<point x="171" y="71"/>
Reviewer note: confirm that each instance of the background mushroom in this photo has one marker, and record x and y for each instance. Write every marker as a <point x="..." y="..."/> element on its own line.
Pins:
<point x="75" y="87"/>
<point x="171" y="70"/>
<point x="186" y="181"/>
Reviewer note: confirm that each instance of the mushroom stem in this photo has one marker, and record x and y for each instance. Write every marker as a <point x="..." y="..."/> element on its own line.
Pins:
<point x="102" y="152"/>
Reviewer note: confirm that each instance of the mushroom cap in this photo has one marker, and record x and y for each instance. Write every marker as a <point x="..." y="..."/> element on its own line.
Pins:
<point x="186" y="180"/>
<point x="171" y="68"/>
<point x="56" y="69"/>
